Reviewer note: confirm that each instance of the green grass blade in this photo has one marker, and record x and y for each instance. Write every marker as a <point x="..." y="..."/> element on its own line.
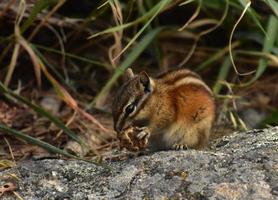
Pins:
<point x="148" y="15"/>
<point x="40" y="143"/>
<point x="159" y="9"/>
<point x="130" y="58"/>
<point x="54" y="70"/>
<point x="41" y="112"/>
<point x="273" y="5"/>
<point x="69" y="55"/>
<point x="272" y="32"/>
<point x="216" y="56"/>
<point x="186" y="2"/>
<point x="39" y="6"/>
<point x="253" y="15"/>
<point x="143" y="10"/>
<point x="223" y="72"/>
<point x="35" y="141"/>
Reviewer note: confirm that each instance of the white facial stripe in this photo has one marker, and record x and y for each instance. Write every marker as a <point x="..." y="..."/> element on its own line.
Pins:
<point x="152" y="84"/>
<point x="121" y="117"/>
<point x="192" y="80"/>
<point x="134" y="110"/>
<point x="129" y="102"/>
<point x="138" y="105"/>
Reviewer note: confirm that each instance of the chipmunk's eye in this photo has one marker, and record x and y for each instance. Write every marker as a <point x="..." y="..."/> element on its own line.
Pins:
<point x="130" y="108"/>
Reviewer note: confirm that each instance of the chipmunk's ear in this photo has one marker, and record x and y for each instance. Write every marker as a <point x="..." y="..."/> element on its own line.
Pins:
<point x="128" y="75"/>
<point x="145" y="81"/>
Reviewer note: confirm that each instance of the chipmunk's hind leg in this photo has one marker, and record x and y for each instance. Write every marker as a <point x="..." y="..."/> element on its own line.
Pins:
<point x="195" y="138"/>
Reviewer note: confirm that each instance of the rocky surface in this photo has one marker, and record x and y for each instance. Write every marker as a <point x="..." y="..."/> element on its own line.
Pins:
<point x="240" y="166"/>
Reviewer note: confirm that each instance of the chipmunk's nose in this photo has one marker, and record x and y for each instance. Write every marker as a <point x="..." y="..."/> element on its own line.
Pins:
<point x="120" y="125"/>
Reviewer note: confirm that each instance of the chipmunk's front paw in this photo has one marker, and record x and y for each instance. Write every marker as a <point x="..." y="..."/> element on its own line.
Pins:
<point x="143" y="136"/>
<point x="179" y="147"/>
<point x="144" y="133"/>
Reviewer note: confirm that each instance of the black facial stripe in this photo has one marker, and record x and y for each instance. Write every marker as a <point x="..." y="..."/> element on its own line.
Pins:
<point x="130" y="108"/>
<point x="147" y="89"/>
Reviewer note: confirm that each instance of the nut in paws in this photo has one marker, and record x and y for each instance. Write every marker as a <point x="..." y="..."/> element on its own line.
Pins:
<point x="134" y="138"/>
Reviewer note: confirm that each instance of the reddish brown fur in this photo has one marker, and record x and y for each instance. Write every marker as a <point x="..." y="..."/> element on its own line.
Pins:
<point x="190" y="99"/>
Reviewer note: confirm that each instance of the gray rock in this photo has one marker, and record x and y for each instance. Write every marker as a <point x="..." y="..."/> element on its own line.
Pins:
<point x="240" y="166"/>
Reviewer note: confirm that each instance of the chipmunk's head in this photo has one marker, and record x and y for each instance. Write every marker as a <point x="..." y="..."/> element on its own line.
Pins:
<point x="130" y="98"/>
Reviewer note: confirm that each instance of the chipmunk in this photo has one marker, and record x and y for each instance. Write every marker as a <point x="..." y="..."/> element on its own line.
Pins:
<point x="175" y="110"/>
